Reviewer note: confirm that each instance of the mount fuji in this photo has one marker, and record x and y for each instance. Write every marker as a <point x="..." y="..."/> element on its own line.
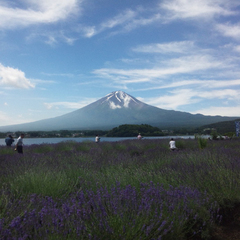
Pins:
<point x="115" y="109"/>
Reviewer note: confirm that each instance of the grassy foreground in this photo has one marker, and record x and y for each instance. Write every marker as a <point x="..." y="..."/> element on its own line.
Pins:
<point x="118" y="190"/>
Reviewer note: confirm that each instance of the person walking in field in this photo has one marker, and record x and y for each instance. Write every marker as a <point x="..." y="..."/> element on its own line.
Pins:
<point x="19" y="144"/>
<point x="9" y="140"/>
<point x="172" y="144"/>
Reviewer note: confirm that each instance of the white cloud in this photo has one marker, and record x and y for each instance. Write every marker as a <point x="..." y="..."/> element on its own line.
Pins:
<point x="193" y="63"/>
<point x="182" y="65"/>
<point x="237" y="48"/>
<point x="229" y="30"/>
<point x="123" y="22"/>
<point x="63" y="104"/>
<point x="118" y="20"/>
<point x="51" y="41"/>
<point x="174" y="99"/>
<point x="182" y="97"/>
<point x="168" y="10"/>
<point x="227" y="94"/>
<point x="202" y="83"/>
<point x="35" y="12"/>
<point x="68" y="75"/>
<point x="221" y="84"/>
<point x="222" y="111"/>
<point x="52" y="38"/>
<point x="70" y="105"/>
<point x="89" y="31"/>
<point x="172" y="47"/>
<point x="184" y="9"/>
<point x="12" y="77"/>
<point x="141" y="22"/>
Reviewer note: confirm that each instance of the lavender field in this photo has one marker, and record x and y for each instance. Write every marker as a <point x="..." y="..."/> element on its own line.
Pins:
<point x="118" y="190"/>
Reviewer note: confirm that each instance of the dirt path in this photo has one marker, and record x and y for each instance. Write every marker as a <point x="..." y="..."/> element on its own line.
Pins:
<point x="227" y="233"/>
<point x="230" y="229"/>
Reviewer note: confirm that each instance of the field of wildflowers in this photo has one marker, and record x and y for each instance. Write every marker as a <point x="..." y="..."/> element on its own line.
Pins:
<point x="118" y="190"/>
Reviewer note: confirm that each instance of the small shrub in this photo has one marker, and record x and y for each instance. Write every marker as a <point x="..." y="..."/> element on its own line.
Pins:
<point x="180" y="144"/>
<point x="202" y="143"/>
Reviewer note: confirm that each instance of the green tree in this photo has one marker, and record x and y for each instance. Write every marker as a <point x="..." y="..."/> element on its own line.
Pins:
<point x="132" y="130"/>
<point x="214" y="135"/>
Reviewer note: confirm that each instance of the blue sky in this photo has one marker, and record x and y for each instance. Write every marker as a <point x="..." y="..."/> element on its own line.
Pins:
<point x="57" y="56"/>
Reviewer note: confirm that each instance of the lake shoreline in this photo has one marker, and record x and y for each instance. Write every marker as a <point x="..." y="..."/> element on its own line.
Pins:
<point x="29" y="141"/>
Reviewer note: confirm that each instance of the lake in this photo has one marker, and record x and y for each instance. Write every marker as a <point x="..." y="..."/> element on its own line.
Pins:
<point x="29" y="141"/>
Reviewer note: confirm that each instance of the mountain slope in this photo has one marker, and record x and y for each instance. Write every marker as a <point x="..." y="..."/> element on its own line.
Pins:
<point x="115" y="109"/>
<point x="223" y="127"/>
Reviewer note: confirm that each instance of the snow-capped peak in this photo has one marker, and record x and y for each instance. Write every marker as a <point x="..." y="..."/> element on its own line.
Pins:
<point x="119" y="99"/>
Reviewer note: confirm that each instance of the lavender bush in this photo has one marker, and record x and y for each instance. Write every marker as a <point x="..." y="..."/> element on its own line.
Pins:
<point x="117" y="213"/>
<point x="120" y="190"/>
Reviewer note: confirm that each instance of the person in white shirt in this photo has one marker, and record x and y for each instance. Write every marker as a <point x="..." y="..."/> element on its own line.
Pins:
<point x="97" y="139"/>
<point x="172" y="144"/>
<point x="19" y="144"/>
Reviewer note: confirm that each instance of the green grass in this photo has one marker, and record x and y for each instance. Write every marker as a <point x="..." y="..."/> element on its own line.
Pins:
<point x="61" y="170"/>
<point x="69" y="164"/>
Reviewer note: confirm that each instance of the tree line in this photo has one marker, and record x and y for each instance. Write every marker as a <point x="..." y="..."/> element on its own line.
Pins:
<point x="126" y="130"/>
<point x="132" y="130"/>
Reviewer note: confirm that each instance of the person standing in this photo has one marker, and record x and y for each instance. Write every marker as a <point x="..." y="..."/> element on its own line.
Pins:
<point x="172" y="144"/>
<point x="139" y="137"/>
<point x="19" y="144"/>
<point x="9" y="140"/>
<point x="97" y="139"/>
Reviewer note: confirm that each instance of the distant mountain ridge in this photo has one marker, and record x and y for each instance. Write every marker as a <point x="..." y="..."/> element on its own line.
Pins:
<point x="115" y="109"/>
